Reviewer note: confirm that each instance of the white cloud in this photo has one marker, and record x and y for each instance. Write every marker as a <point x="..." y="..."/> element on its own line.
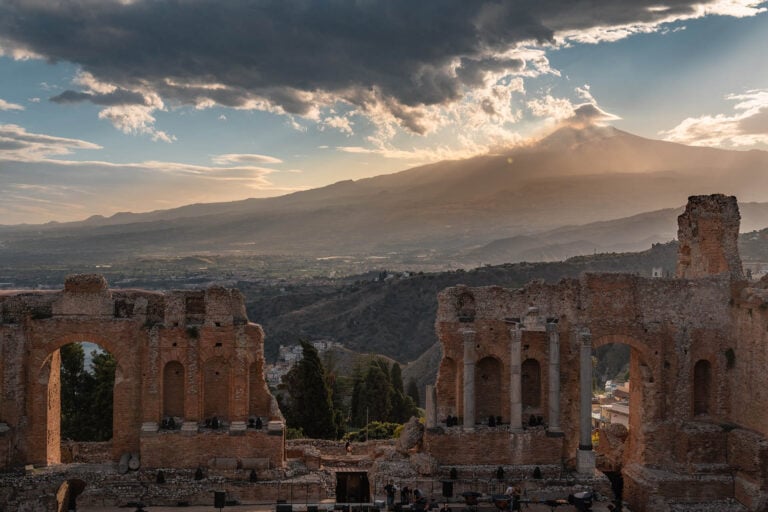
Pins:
<point x="19" y="145"/>
<point x="341" y="123"/>
<point x="135" y="120"/>
<point x="746" y="126"/>
<point x="245" y="158"/>
<point x="41" y="186"/>
<point x="4" y="105"/>
<point x="563" y="111"/>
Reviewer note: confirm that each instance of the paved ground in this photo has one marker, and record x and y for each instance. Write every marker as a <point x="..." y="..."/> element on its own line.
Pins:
<point x="532" y="507"/>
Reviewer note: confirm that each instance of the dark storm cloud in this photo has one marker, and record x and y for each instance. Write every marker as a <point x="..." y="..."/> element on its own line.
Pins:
<point x="118" y="97"/>
<point x="404" y="51"/>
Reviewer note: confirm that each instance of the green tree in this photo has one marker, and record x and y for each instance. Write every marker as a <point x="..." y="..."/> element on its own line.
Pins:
<point x="376" y="402"/>
<point x="413" y="391"/>
<point x="74" y="381"/>
<point x="86" y="396"/>
<point x="310" y="407"/>
<point x="101" y="393"/>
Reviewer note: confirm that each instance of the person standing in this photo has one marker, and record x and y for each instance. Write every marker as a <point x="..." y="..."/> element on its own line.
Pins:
<point x="390" y="490"/>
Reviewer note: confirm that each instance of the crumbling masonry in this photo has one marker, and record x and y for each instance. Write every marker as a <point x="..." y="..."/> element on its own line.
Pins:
<point x="188" y="355"/>
<point x="698" y="382"/>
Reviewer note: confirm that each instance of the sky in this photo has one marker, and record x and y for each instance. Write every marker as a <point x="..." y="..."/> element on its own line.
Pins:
<point x="137" y="105"/>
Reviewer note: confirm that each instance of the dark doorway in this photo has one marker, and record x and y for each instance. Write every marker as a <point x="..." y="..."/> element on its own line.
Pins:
<point x="352" y="487"/>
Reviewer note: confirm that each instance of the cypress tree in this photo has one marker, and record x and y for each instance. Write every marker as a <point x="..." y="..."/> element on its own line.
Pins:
<point x="376" y="397"/>
<point x="413" y="392"/>
<point x="310" y="407"/>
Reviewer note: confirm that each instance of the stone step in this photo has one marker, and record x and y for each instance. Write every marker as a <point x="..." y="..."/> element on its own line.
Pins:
<point x="728" y="505"/>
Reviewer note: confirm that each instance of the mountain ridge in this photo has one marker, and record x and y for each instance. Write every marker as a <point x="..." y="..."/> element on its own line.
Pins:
<point x="571" y="177"/>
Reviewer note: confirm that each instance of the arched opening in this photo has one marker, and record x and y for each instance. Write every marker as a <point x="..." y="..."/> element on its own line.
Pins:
<point x="87" y="388"/>
<point x="623" y="381"/>
<point x="216" y="389"/>
<point x="488" y="389"/>
<point x="66" y="495"/>
<point x="702" y="386"/>
<point x="81" y="383"/>
<point x="465" y="307"/>
<point x="611" y="386"/>
<point x="173" y="394"/>
<point x="621" y="377"/>
<point x="530" y="380"/>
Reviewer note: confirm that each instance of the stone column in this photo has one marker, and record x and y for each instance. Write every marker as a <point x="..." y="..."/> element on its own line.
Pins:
<point x="515" y="384"/>
<point x="554" y="381"/>
<point x="431" y="404"/>
<point x="468" y="335"/>
<point x="585" y="458"/>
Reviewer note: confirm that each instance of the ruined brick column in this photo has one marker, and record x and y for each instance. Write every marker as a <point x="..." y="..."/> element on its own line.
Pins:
<point x="515" y="389"/>
<point x="469" y="377"/>
<point x="708" y="235"/>
<point x="431" y="406"/>
<point x="585" y="458"/>
<point x="554" y="381"/>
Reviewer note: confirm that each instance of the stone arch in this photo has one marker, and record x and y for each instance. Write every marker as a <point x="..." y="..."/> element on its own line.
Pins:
<point x="67" y="493"/>
<point x="216" y="388"/>
<point x="488" y="388"/>
<point x="173" y="390"/>
<point x="702" y="387"/>
<point x="643" y="364"/>
<point x="465" y="306"/>
<point x="45" y="415"/>
<point x="530" y="383"/>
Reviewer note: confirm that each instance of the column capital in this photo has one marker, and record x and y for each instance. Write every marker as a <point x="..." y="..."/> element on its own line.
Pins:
<point x="551" y="326"/>
<point x="467" y="334"/>
<point x="585" y="336"/>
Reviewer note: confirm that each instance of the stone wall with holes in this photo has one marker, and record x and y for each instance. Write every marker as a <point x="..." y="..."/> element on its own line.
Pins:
<point x="221" y="448"/>
<point x="493" y="446"/>
<point x="105" y="488"/>
<point x="699" y="349"/>
<point x="183" y="357"/>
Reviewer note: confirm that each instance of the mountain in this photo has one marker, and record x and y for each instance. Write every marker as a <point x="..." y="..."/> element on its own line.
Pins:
<point x="571" y="177"/>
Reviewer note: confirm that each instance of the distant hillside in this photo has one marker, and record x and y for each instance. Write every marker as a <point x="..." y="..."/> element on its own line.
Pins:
<point x="450" y="208"/>
<point x="396" y="317"/>
<point x="635" y="233"/>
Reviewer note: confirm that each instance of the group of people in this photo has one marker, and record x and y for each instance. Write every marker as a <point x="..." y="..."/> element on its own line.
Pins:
<point x="408" y="496"/>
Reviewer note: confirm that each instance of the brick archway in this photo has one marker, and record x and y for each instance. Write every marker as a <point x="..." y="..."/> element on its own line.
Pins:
<point x="44" y="395"/>
<point x="144" y="331"/>
<point x="643" y="366"/>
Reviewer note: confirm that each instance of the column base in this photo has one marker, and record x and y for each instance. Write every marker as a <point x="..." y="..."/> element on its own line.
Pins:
<point x="149" y="427"/>
<point x="237" y="428"/>
<point x="189" y="427"/>
<point x="585" y="462"/>
<point x="555" y="432"/>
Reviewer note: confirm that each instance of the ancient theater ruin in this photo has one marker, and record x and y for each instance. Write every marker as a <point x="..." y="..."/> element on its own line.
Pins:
<point x="184" y="359"/>
<point x="699" y="352"/>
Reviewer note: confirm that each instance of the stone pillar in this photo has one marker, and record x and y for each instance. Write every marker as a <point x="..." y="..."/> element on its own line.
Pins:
<point x="554" y="381"/>
<point x="515" y="383"/>
<point x="585" y="458"/>
<point x="431" y="404"/>
<point x="468" y="335"/>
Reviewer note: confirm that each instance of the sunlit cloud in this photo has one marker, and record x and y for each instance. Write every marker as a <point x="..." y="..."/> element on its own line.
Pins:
<point x="17" y="144"/>
<point x="746" y="126"/>
<point x="243" y="158"/>
<point x="43" y="182"/>
<point x="397" y="64"/>
<point x="4" y="105"/>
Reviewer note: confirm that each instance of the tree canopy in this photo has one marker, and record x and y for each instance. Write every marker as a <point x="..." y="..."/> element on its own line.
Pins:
<point x="86" y="394"/>
<point x="310" y="405"/>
